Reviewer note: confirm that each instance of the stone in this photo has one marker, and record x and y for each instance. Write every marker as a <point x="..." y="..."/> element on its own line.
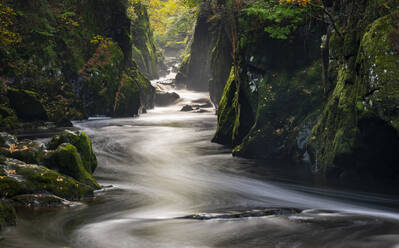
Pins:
<point x="83" y="144"/>
<point x="186" y="108"/>
<point x="66" y="160"/>
<point x="18" y="178"/>
<point x="166" y="98"/>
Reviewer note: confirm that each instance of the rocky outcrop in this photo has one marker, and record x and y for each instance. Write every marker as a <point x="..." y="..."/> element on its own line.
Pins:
<point x="356" y="138"/>
<point x="29" y="167"/>
<point x="336" y="112"/>
<point x="144" y="48"/>
<point x="207" y="66"/>
<point x="71" y="60"/>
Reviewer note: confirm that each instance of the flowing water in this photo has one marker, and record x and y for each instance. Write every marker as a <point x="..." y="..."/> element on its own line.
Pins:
<point x="172" y="187"/>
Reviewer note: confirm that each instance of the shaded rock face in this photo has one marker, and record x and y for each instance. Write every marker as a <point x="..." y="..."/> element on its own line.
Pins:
<point x="337" y="113"/>
<point x="166" y="98"/>
<point x="208" y="64"/>
<point x="27" y="105"/>
<point x="356" y="137"/>
<point x="275" y="87"/>
<point x="144" y="49"/>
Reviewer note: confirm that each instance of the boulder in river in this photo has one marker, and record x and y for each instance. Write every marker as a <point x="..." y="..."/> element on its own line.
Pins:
<point x="82" y="143"/>
<point x="18" y="178"/>
<point x="166" y="98"/>
<point x="67" y="161"/>
<point x="187" y="108"/>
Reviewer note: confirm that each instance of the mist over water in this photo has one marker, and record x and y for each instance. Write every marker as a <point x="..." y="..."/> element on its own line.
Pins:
<point x="162" y="167"/>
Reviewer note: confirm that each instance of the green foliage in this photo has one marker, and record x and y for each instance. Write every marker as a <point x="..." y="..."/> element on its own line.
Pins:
<point x="279" y="19"/>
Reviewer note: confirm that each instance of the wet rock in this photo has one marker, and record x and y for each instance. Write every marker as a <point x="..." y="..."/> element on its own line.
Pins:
<point x="26" y="105"/>
<point x="202" y="111"/>
<point x="242" y="214"/>
<point x="166" y="98"/>
<point x="187" y="108"/>
<point x="18" y="178"/>
<point x="39" y="201"/>
<point x="27" y="151"/>
<point x="82" y="143"/>
<point x="67" y="160"/>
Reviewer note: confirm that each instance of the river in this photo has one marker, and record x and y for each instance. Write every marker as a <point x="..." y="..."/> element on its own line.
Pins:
<point x="172" y="187"/>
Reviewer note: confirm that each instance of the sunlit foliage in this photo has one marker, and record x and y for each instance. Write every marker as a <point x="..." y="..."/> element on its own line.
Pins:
<point x="171" y="20"/>
<point x="7" y="36"/>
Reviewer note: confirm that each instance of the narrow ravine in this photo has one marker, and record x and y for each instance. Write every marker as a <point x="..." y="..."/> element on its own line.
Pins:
<point x="172" y="187"/>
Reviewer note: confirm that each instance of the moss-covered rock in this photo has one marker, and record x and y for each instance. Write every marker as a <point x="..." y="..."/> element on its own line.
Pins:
<point x="356" y="137"/>
<point x="144" y="48"/>
<point x="17" y="178"/>
<point x="27" y="151"/>
<point x="82" y="143"/>
<point x="27" y="105"/>
<point x="74" y="55"/>
<point x="226" y="113"/>
<point x="66" y="160"/>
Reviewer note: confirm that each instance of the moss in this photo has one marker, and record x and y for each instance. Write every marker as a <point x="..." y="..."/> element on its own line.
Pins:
<point x="27" y="151"/>
<point x="183" y="71"/>
<point x="220" y="64"/>
<point x="67" y="160"/>
<point x="82" y="143"/>
<point x="366" y="92"/>
<point x="21" y="178"/>
<point x="226" y="113"/>
<point x="144" y="48"/>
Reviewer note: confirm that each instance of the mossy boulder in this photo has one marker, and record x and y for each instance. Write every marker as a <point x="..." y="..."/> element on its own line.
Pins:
<point x="7" y="214"/>
<point x="82" y="143"/>
<point x="226" y="113"/>
<point x="66" y="160"/>
<point x="18" y="178"/>
<point x="26" y="105"/>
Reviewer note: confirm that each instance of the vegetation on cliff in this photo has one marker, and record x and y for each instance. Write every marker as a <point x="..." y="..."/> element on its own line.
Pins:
<point x="72" y="59"/>
<point x="313" y="82"/>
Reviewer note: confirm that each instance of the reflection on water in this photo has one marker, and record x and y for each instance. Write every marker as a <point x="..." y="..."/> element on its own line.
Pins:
<point x="163" y="166"/>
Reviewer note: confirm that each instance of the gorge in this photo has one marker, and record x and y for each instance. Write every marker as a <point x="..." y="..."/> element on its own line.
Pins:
<point x="199" y="123"/>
